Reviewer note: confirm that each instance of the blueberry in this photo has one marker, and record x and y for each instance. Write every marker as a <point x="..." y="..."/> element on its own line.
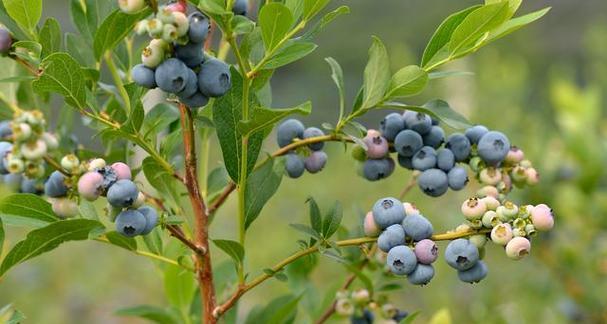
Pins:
<point x="435" y="122"/>
<point x="493" y="147"/>
<point x="191" y="86"/>
<point x="196" y="100"/>
<point x="426" y="251"/>
<point x="405" y="162"/>
<point x="316" y="161"/>
<point x="65" y="208"/>
<point x="191" y="54"/>
<point x="434" y="138"/>
<point x="408" y="142"/>
<point x="542" y="218"/>
<point x="391" y="126"/>
<point x="199" y="27"/>
<point x="401" y="260"/>
<point x="6" y="41"/>
<point x="392" y="236"/>
<point x="172" y="75"/>
<point x="240" y="7"/>
<point x="5" y="129"/>
<point x="458" y="178"/>
<point x="214" y="78"/>
<point x="289" y="130"/>
<point x="5" y="149"/>
<point x="151" y="218"/>
<point x="461" y="254"/>
<point x="143" y="76"/>
<point x="369" y="226"/>
<point x="122" y="171"/>
<point x="314" y="132"/>
<point x="55" y="185"/>
<point x="123" y="193"/>
<point x="130" y="223"/>
<point x="445" y="160"/>
<point x="424" y="159"/>
<point x="131" y="6"/>
<point x="433" y="182"/>
<point x="154" y="53"/>
<point x="109" y="177"/>
<point x="518" y="248"/>
<point x="30" y="186"/>
<point x="90" y="185"/>
<point x="13" y="181"/>
<point x="294" y="165"/>
<point x="377" y="145"/>
<point x="460" y="146"/>
<point x="419" y="122"/>
<point x="417" y="227"/>
<point x="374" y="170"/>
<point x="367" y="317"/>
<point x="475" y="133"/>
<point x="388" y="211"/>
<point x="422" y="275"/>
<point x="475" y="274"/>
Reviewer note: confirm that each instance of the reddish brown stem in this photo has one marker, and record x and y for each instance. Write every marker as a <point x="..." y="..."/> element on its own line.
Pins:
<point x="204" y="270"/>
<point x="222" y="198"/>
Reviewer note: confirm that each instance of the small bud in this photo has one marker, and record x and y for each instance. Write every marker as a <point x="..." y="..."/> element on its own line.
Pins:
<point x="515" y="155"/>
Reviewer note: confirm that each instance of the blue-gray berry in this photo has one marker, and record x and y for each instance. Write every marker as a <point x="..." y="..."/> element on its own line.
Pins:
<point x="417" y="227"/>
<point x="422" y="274"/>
<point x="130" y="223"/>
<point x="196" y="100"/>
<point x="122" y="193"/>
<point x="461" y="254"/>
<point x="405" y="162"/>
<point x="424" y="159"/>
<point x="401" y="260"/>
<point x="374" y="170"/>
<point x="314" y="132"/>
<point x="408" y="142"/>
<point x="391" y="125"/>
<point x="289" y="130"/>
<point x="294" y="165"/>
<point x="199" y="27"/>
<point x="55" y="185"/>
<point x="445" y="160"/>
<point x="392" y="236"/>
<point x="191" y="54"/>
<point x="460" y="146"/>
<point x="419" y="122"/>
<point x="475" y="274"/>
<point x="435" y="138"/>
<point x="143" y="76"/>
<point x="388" y="211"/>
<point x="475" y="133"/>
<point x="151" y="218"/>
<point x="458" y="178"/>
<point x="316" y="161"/>
<point x="433" y="182"/>
<point x="493" y="147"/>
<point x="214" y="78"/>
<point x="172" y="75"/>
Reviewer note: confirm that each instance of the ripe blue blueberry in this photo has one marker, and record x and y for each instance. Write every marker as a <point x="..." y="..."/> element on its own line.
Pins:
<point x="191" y="54"/>
<point x="422" y="274"/>
<point x="391" y="126"/>
<point x="424" y="159"/>
<point x="401" y="260"/>
<point x="417" y="227"/>
<point x="6" y="41"/>
<point x="294" y="165"/>
<point x="461" y="254"/>
<point x="199" y="27"/>
<point x="475" y="133"/>
<point x="392" y="236"/>
<point x="408" y="142"/>
<point x="314" y="132"/>
<point x="143" y="76"/>
<point x="460" y="146"/>
<point x="475" y="274"/>
<point x="289" y="130"/>
<point x="172" y="75"/>
<point x="367" y="317"/>
<point x="435" y="138"/>
<point x="458" y="178"/>
<point x="5" y="148"/>
<point x="493" y="147"/>
<point x="419" y="122"/>
<point x="13" y="181"/>
<point x="374" y="170"/>
<point x="240" y="7"/>
<point x="5" y="129"/>
<point x="214" y="78"/>
<point x="445" y="160"/>
<point x="55" y="185"/>
<point x="130" y="223"/>
<point x="196" y="100"/>
<point x="151" y="218"/>
<point x="122" y="193"/>
<point x="433" y="182"/>
<point x="316" y="161"/>
<point x="30" y="186"/>
<point x="191" y="86"/>
<point x="388" y="211"/>
<point x="405" y="162"/>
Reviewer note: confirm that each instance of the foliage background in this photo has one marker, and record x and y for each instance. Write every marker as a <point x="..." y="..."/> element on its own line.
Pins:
<point x="543" y="87"/>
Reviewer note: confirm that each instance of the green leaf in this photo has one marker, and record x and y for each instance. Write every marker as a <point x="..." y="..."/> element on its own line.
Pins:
<point x="153" y="242"/>
<point x="514" y="24"/>
<point x="443" y="33"/>
<point x="279" y="311"/>
<point x="312" y="7"/>
<point x="159" y="118"/>
<point x="296" y="8"/>
<point x="242" y="25"/>
<point x="114" y="29"/>
<point x="447" y="74"/>
<point x="179" y="286"/>
<point x="376" y="76"/>
<point x="1" y="237"/>
<point x="438" y="109"/>
<point x="332" y="220"/>
<point x="475" y="25"/>
<point x="122" y="241"/>
<point x="410" y="318"/>
<point x="26" y="13"/>
<point x="363" y="278"/>
<point x="231" y="248"/>
<point x="10" y="315"/>
<point x="18" y="78"/>
<point x="216" y="182"/>
<point x="158" y="178"/>
<point x="408" y="81"/>
<point x="48" y="238"/>
<point x="326" y="19"/>
<point x="307" y="230"/>
<point x="263" y="117"/>
<point x="227" y="112"/>
<point x="337" y="75"/>
<point x="152" y="313"/>
<point x="50" y="37"/>
<point x="60" y="73"/>
<point x="262" y="184"/>
<point x="315" y="216"/>
<point x="292" y="51"/>
<point x="26" y="209"/>
<point x="275" y="20"/>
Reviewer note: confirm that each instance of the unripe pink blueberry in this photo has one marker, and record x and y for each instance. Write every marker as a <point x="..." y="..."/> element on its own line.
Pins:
<point x="490" y="176"/>
<point x="90" y="185"/>
<point x="165" y="15"/>
<point x="541" y="217"/>
<point x="34" y="150"/>
<point x="64" y="207"/>
<point x="488" y="191"/>
<point x="533" y="177"/>
<point x="370" y="227"/>
<point x="410" y="209"/>
<point x="176" y="7"/>
<point x="473" y="208"/>
<point x="491" y="202"/>
<point x="181" y="23"/>
<point x="122" y="171"/>
<point x="518" y="248"/>
<point x="426" y="251"/>
<point x="515" y="155"/>
<point x="131" y="6"/>
<point x="501" y="234"/>
<point x="169" y="33"/>
<point x="506" y="182"/>
<point x="377" y="146"/>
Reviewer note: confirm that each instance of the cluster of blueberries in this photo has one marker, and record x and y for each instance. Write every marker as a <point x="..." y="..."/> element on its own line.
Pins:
<point x="363" y="310"/>
<point x="174" y="60"/>
<point x="132" y="6"/>
<point x="295" y="165"/>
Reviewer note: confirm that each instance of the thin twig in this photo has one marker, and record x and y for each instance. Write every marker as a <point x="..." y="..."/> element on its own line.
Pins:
<point x="410" y="185"/>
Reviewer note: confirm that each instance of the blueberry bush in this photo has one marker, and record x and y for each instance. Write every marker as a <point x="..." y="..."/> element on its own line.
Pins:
<point x="207" y="65"/>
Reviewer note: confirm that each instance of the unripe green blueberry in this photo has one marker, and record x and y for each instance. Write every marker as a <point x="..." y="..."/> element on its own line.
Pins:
<point x="530" y="230"/>
<point x="491" y="202"/>
<point x="14" y="164"/>
<point x="475" y="223"/>
<point x="154" y="27"/>
<point x="165" y="15"/>
<point x="21" y="131"/>
<point x="507" y="211"/>
<point x="152" y="56"/>
<point x="478" y="240"/>
<point x="526" y="164"/>
<point x="501" y="234"/>
<point x="370" y="227"/>
<point x="525" y="211"/>
<point x="52" y="143"/>
<point x="488" y="191"/>
<point x="361" y="296"/>
<point x="34" y="169"/>
<point x="359" y="153"/>
<point x="533" y="177"/>
<point x="388" y="310"/>
<point x="169" y="33"/>
<point x="473" y="208"/>
<point x="344" y="307"/>
<point x="90" y="185"/>
<point x="65" y="208"/>
<point x="34" y="150"/>
<point x="490" y="176"/>
<point x="518" y="248"/>
<point x="181" y="22"/>
<point x="141" y="27"/>
<point x="96" y="164"/>
<point x="518" y="232"/>
<point x="519" y="223"/>
<point x="131" y="6"/>
<point x="463" y="228"/>
<point x="518" y="174"/>
<point x="410" y="209"/>
<point x="476" y="163"/>
<point x="542" y="218"/>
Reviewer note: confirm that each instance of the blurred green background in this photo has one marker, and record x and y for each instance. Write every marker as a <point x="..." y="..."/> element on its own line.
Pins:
<point x="543" y="86"/>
